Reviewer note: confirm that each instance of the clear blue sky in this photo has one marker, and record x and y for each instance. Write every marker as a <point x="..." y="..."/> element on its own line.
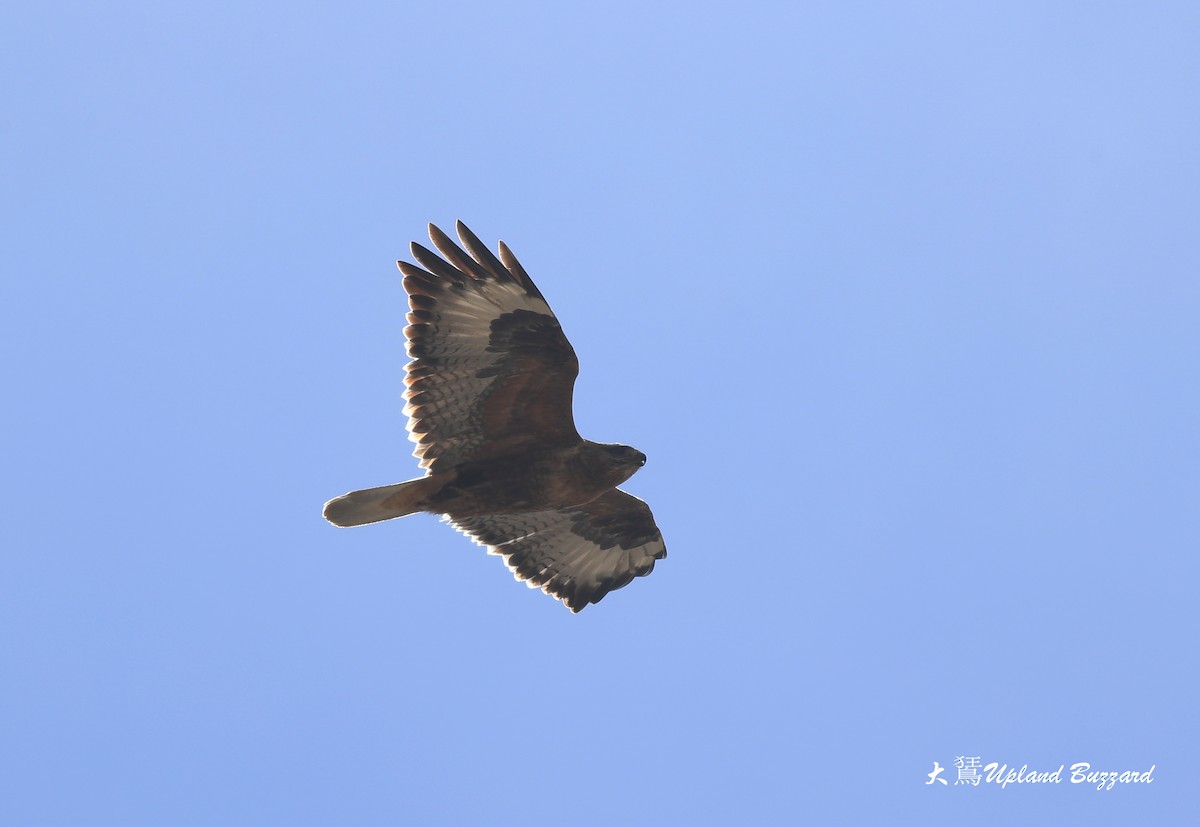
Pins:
<point x="901" y="300"/>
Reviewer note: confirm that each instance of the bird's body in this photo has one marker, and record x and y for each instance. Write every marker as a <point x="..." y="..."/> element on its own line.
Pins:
<point x="558" y="477"/>
<point x="489" y="404"/>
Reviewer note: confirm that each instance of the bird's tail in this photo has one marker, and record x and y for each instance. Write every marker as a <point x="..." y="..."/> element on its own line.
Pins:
<point x="384" y="503"/>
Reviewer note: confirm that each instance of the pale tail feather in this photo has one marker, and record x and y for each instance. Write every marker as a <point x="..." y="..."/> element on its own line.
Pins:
<point x="384" y="503"/>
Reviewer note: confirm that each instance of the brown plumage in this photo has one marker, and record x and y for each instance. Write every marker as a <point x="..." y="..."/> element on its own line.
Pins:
<point x="489" y="407"/>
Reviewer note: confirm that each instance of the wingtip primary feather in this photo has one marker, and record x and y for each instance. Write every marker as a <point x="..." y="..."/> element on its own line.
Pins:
<point x="479" y="251"/>
<point x="458" y="258"/>
<point x="518" y="272"/>
<point x="438" y="237"/>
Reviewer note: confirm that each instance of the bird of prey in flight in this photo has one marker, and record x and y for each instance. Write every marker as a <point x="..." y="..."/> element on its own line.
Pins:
<point x="489" y="405"/>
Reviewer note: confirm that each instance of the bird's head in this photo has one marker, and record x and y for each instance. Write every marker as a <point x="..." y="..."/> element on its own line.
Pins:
<point x="620" y="462"/>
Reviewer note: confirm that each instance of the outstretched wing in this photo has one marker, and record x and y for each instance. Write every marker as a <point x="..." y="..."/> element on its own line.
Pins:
<point x="492" y="372"/>
<point x="579" y="554"/>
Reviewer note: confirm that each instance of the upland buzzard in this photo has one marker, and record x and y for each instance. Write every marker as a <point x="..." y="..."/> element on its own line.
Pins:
<point x="489" y="406"/>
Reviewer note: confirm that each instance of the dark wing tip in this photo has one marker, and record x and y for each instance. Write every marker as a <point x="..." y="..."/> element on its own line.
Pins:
<point x="518" y="272"/>
<point x="456" y="256"/>
<point x="436" y="265"/>
<point x="438" y="237"/>
<point x="485" y="258"/>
